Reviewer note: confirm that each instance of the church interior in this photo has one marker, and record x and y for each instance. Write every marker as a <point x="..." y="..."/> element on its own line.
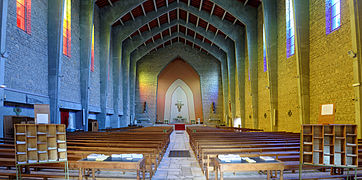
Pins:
<point x="180" y="89"/>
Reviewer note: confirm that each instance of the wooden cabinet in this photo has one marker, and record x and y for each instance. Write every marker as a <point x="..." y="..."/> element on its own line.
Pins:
<point x="40" y="143"/>
<point x="92" y="125"/>
<point x="331" y="145"/>
<point x="9" y="122"/>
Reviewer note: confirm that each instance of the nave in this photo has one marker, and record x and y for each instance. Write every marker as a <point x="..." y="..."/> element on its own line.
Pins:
<point x="156" y="143"/>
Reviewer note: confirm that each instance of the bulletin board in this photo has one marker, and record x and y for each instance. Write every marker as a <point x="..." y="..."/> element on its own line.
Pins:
<point x="327" y="113"/>
<point x="41" y="113"/>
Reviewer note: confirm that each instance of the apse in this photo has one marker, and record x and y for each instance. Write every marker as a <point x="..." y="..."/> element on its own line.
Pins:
<point x="179" y="85"/>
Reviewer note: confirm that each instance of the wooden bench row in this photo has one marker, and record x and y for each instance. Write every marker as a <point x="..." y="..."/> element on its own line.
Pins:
<point x="151" y="142"/>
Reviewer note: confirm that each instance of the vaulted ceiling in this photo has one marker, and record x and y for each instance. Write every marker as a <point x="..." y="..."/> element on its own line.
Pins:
<point x="148" y="6"/>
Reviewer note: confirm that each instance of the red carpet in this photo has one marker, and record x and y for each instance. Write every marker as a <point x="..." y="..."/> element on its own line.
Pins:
<point x="179" y="127"/>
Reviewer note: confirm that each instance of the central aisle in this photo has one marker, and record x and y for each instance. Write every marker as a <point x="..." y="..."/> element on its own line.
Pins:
<point x="175" y="167"/>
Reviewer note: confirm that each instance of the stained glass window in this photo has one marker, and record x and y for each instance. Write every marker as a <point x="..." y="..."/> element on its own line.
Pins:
<point x="289" y="28"/>
<point x="333" y="15"/>
<point x="23" y="15"/>
<point x="264" y="51"/>
<point x="92" y="51"/>
<point x="67" y="28"/>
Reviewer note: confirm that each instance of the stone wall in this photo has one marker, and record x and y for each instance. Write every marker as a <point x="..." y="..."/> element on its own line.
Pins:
<point x="331" y="70"/>
<point x="94" y="90"/>
<point x="70" y="66"/>
<point x="26" y="68"/>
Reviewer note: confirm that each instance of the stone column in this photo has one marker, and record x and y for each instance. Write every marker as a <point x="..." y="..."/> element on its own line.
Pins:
<point x="86" y="26"/>
<point x="55" y="40"/>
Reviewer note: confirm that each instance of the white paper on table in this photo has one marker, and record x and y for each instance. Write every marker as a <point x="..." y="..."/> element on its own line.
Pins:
<point x="327" y="109"/>
<point x="42" y="118"/>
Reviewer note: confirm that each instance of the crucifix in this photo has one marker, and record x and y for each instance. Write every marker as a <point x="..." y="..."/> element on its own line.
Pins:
<point x="179" y="105"/>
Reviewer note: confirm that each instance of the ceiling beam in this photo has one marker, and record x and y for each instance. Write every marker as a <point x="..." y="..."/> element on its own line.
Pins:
<point x="168" y="17"/>
<point x="155" y="5"/>
<point x="207" y="27"/>
<point x="212" y="10"/>
<point x="235" y="21"/>
<point x="169" y="31"/>
<point x="246" y="2"/>
<point x="158" y="21"/>
<point x="149" y="28"/>
<point x="188" y="3"/>
<point x="186" y="31"/>
<point x="197" y="21"/>
<point x="187" y="17"/>
<point x="166" y="3"/>
<point x="161" y="35"/>
<point x="178" y="13"/>
<point x="110" y="3"/>
<point x="216" y="33"/>
<point x="132" y="15"/>
<point x="223" y="16"/>
<point x="120" y="20"/>
<point x="153" y="39"/>
<point x="202" y="1"/>
<point x="143" y="10"/>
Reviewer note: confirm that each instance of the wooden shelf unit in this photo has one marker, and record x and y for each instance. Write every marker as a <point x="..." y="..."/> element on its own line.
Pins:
<point x="40" y="143"/>
<point x="329" y="145"/>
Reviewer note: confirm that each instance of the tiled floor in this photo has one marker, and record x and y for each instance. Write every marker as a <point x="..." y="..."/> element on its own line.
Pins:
<point x="175" y="167"/>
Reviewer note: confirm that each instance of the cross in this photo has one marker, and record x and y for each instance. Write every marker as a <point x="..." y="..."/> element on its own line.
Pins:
<point x="179" y="105"/>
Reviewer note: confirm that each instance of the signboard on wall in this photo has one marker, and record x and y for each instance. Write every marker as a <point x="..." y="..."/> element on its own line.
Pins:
<point x="327" y="113"/>
<point x="41" y="113"/>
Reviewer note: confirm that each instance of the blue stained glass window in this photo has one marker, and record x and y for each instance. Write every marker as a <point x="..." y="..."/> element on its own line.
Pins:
<point x="289" y="28"/>
<point x="333" y="15"/>
<point x="264" y="51"/>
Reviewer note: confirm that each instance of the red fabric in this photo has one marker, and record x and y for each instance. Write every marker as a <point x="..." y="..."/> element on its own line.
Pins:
<point x="179" y="126"/>
<point x="64" y="116"/>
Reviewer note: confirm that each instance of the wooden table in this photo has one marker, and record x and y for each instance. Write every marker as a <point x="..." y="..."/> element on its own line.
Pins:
<point x="242" y="165"/>
<point x="135" y="164"/>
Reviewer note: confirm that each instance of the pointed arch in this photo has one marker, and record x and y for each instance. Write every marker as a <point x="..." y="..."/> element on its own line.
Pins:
<point x="178" y="69"/>
<point x="168" y="99"/>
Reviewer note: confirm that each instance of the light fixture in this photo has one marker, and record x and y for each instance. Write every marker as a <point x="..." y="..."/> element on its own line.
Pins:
<point x="3" y="86"/>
